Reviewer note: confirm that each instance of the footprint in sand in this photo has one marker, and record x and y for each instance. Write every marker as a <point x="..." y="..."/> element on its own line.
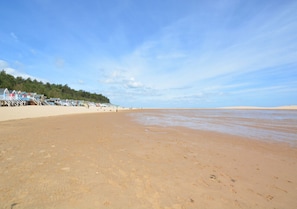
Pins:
<point x="269" y="197"/>
<point x="213" y="177"/>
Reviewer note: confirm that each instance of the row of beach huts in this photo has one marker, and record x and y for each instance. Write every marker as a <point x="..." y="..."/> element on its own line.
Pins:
<point x="20" y="98"/>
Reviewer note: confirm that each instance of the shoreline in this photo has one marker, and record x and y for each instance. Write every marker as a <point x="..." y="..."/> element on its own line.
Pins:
<point x="23" y="112"/>
<point x="264" y="125"/>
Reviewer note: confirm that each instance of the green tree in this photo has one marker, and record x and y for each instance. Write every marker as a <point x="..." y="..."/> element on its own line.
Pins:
<point x="49" y="90"/>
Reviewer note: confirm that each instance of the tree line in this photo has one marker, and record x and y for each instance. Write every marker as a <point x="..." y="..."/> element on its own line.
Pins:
<point x="49" y="90"/>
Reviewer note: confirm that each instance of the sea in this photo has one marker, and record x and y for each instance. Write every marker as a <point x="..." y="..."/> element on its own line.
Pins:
<point x="262" y="124"/>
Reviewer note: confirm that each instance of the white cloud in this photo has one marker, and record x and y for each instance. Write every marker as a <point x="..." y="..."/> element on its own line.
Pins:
<point x="14" y="36"/>
<point x="59" y="62"/>
<point x="3" y="64"/>
<point x="209" y="59"/>
<point x="131" y="83"/>
<point x="9" y="70"/>
<point x="81" y="82"/>
<point x="123" y="80"/>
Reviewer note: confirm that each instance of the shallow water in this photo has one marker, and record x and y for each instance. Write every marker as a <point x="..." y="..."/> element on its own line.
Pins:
<point x="275" y="125"/>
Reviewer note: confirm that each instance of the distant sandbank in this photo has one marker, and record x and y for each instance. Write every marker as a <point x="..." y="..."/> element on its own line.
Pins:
<point x="289" y="107"/>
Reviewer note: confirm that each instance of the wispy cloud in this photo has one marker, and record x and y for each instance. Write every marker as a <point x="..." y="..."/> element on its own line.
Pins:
<point x="14" y="36"/>
<point x="59" y="62"/>
<point x="264" y="41"/>
<point x="6" y="67"/>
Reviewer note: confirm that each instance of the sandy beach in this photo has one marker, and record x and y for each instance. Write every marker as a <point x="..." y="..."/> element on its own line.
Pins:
<point x="88" y="159"/>
<point x="31" y="111"/>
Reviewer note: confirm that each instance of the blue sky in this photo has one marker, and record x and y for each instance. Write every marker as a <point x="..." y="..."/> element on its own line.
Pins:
<point x="168" y="53"/>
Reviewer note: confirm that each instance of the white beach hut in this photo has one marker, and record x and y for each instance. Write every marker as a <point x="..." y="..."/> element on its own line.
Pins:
<point x="4" y="94"/>
<point x="4" y="97"/>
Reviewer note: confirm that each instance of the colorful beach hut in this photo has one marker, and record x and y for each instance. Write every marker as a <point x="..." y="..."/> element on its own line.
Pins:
<point x="4" y="97"/>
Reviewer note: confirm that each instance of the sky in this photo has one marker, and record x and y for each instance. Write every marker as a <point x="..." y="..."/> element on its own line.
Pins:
<point x="159" y="54"/>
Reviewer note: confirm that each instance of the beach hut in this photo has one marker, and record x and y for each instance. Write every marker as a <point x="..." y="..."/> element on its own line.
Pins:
<point x="31" y="98"/>
<point x="12" y="95"/>
<point x="23" y="96"/>
<point x="39" y="98"/>
<point x="54" y="101"/>
<point x="4" y="94"/>
<point x="20" y="98"/>
<point x="19" y="94"/>
<point x="12" y="99"/>
<point x="4" y="97"/>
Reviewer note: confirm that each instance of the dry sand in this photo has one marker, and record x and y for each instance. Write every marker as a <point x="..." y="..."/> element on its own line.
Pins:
<point x="108" y="161"/>
<point x="22" y="112"/>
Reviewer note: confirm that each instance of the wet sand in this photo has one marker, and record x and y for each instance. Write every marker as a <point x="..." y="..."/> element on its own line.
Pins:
<point x="108" y="161"/>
